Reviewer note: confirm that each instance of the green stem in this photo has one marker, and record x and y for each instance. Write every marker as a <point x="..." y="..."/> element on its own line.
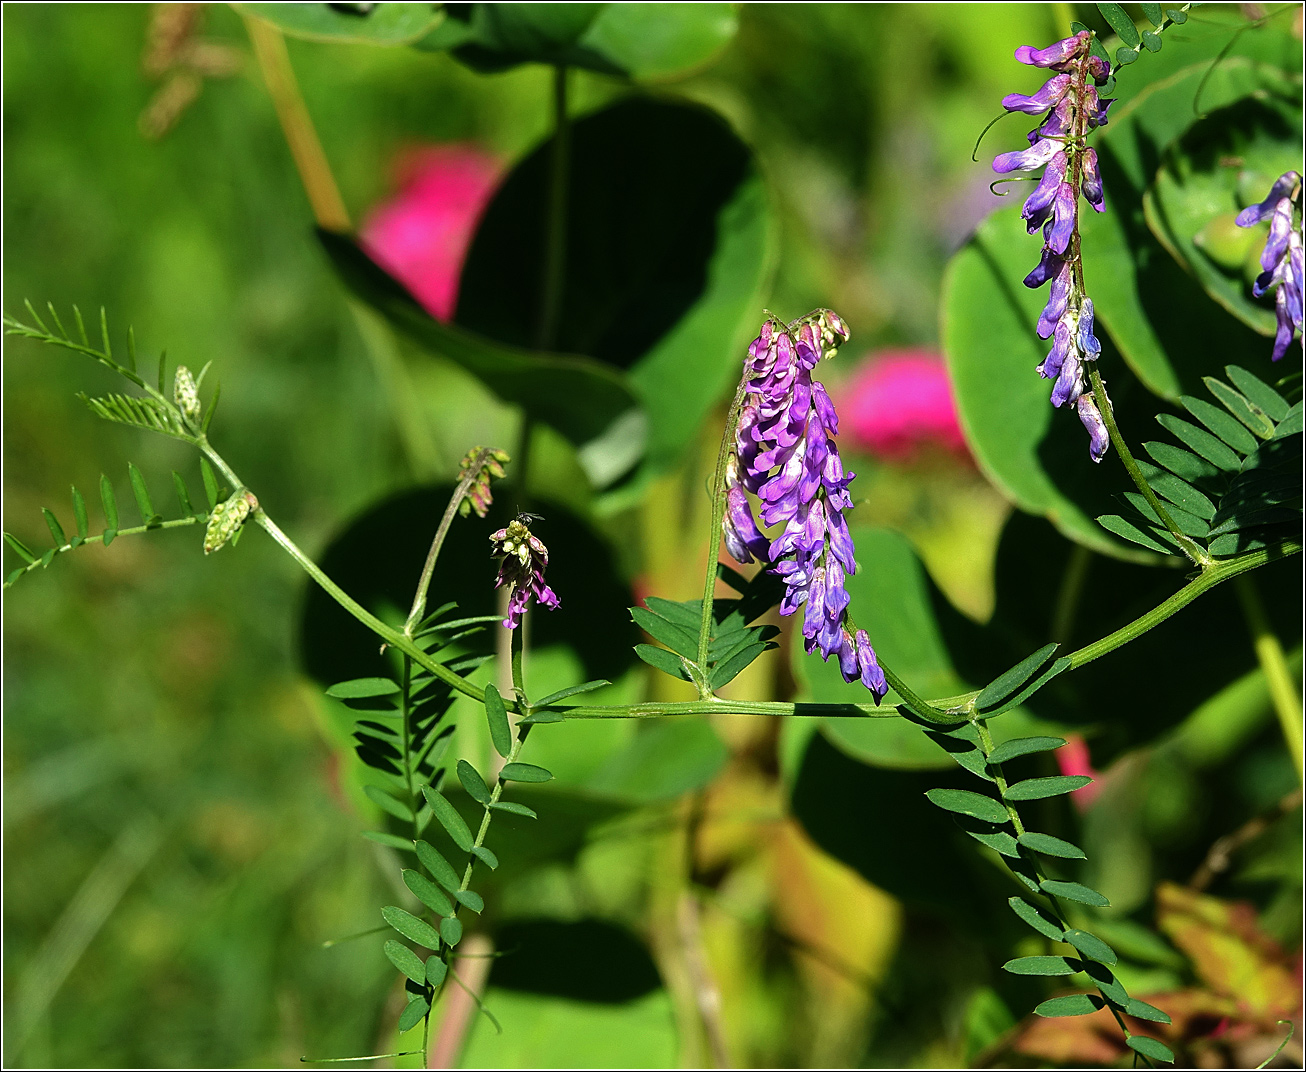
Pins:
<point x="424" y="582"/>
<point x="714" y="533"/>
<point x="1283" y="689"/>
<point x="177" y="523"/>
<point x="1196" y="554"/>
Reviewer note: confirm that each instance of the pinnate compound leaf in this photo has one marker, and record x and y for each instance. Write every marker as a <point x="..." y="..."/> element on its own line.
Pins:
<point x="1091" y="946"/>
<point x="524" y="772"/>
<point x="405" y="960"/>
<point x="451" y="930"/>
<point x="473" y="782"/>
<point x="964" y="802"/>
<point x="416" y="1009"/>
<point x="497" y="716"/>
<point x="1024" y="746"/>
<point x="1042" y="966"/>
<point x="1052" y="846"/>
<point x="1003" y="686"/>
<point x="1037" y="918"/>
<point x="448" y="818"/>
<point x="428" y="893"/>
<point x="386" y="802"/>
<point x="1141" y="1010"/>
<point x="438" y="866"/>
<point x="1151" y="1048"/>
<point x="1073" y="891"/>
<point x="411" y="927"/>
<point x="1040" y="788"/>
<point x="1070" y="1005"/>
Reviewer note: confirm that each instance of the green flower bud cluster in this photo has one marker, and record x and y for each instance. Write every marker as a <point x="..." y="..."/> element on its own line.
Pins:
<point x="186" y="394"/>
<point x="486" y="463"/>
<point x="227" y="517"/>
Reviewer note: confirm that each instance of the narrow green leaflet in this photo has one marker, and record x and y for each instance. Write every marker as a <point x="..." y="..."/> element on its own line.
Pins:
<point x="964" y="802"/>
<point x="524" y="772"/>
<point x="56" y="530"/>
<point x="1000" y="688"/>
<point x="1024" y="746"/>
<point x="1120" y="21"/>
<point x="405" y="960"/>
<point x="514" y="809"/>
<point x="411" y="927"/>
<point x="418" y="1007"/>
<point x="428" y="893"/>
<point x="1150" y="1047"/>
<point x="1143" y="1011"/>
<point x="1250" y="414"/>
<point x="666" y="661"/>
<point x="1042" y="966"/>
<point x="449" y="818"/>
<point x="1039" y="788"/>
<point x="473" y="782"/>
<point x="1048" y="845"/>
<point x="497" y="716"/>
<point x="79" y="512"/>
<point x="566" y="694"/>
<point x="485" y="856"/>
<point x="110" y="501"/>
<point x="1070" y="1005"/>
<point x="472" y="900"/>
<point x="363" y="688"/>
<point x="438" y="866"/>
<point x="392" y="841"/>
<point x="1073" y="891"/>
<point x="1091" y="946"/>
<point x="678" y="639"/>
<point x="436" y="970"/>
<point x="386" y="802"/>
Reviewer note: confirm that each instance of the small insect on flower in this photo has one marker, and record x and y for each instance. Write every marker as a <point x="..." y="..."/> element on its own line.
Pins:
<point x="522" y="560"/>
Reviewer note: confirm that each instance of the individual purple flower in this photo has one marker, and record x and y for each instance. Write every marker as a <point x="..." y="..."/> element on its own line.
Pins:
<point x="786" y="454"/>
<point x="1091" y="418"/>
<point x="1282" y="257"/>
<point x="1074" y="108"/>
<point x="522" y="561"/>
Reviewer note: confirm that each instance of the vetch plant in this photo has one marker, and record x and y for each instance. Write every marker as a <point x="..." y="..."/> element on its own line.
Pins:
<point x="1224" y="504"/>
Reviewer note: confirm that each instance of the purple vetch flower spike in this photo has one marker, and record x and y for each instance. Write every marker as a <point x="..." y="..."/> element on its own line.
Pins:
<point x="1091" y="418"/>
<point x="522" y="561"/>
<point x="1072" y="169"/>
<point x="1281" y="258"/>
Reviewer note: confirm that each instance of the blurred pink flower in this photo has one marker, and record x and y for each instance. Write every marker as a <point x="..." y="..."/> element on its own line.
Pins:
<point x="421" y="235"/>
<point x="899" y="403"/>
<point x="1073" y="758"/>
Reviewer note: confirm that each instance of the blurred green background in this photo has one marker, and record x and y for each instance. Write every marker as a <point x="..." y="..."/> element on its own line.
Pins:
<point x="181" y="835"/>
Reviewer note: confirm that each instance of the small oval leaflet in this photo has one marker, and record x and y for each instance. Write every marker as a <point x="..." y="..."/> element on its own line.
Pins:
<point x="1073" y="891"/>
<point x="497" y="716"/>
<point x="1069" y="1005"/>
<point x="471" y="899"/>
<point x="451" y="930"/>
<point x="1143" y="1011"/>
<point x="514" y="809"/>
<point x="473" y="782"/>
<point x="1051" y="846"/>
<point x="1036" y="918"/>
<point x="436" y="970"/>
<point x="411" y="927"/>
<point x="441" y="870"/>
<point x="967" y="803"/>
<point x="1024" y="746"/>
<point x="428" y="893"/>
<point x="1150" y="1047"/>
<point x="1042" y="966"/>
<point x="413" y="1013"/>
<point x="486" y="856"/>
<point x="1091" y="946"/>
<point x="362" y="688"/>
<point x="405" y="960"/>
<point x="449" y="819"/>
<point x="524" y="772"/>
<point x="1040" y="788"/>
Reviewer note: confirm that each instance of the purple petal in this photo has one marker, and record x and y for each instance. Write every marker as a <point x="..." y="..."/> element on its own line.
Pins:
<point x="1070" y="380"/>
<point x="1086" y="340"/>
<point x="1036" y="155"/>
<point x="1058" y="299"/>
<point x="1098" y="440"/>
<point x="1038" y="204"/>
<point x="1056" y="53"/>
<point x="1038" y="103"/>
<point x="1283" y="187"/>
<point x="1092" y="184"/>
<point x="1049" y="265"/>
<point x="1063" y="218"/>
<point x="872" y="676"/>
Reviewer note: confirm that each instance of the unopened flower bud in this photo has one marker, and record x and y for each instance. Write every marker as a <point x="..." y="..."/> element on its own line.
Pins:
<point x="481" y="464"/>
<point x="227" y="517"/>
<point x="186" y="394"/>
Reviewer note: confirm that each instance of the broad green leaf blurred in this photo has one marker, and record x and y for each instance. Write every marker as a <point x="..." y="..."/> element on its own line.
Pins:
<point x="365" y="24"/>
<point x="665" y="262"/>
<point x="1239" y="150"/>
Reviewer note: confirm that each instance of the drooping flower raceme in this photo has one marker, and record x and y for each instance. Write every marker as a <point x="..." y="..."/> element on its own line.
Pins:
<point x="522" y="561"/>
<point x="785" y="454"/>
<point x="1281" y="260"/>
<point x="1070" y="168"/>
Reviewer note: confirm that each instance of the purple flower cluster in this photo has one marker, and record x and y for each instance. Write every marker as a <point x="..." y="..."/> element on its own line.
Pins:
<point x="786" y="455"/>
<point x="1073" y="108"/>
<point x="522" y="561"/>
<point x="1281" y="260"/>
